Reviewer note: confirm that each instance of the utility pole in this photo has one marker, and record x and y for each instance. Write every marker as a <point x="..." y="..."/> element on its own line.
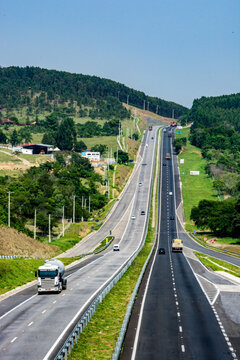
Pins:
<point x="82" y="208"/>
<point x="148" y="105"/>
<point x="143" y="104"/>
<point x="35" y="223"/>
<point x="74" y="197"/>
<point x="9" y="208"/>
<point x="63" y="222"/>
<point x="173" y="113"/>
<point x="108" y="190"/>
<point x="127" y="99"/>
<point x="89" y="204"/>
<point x="157" y="109"/>
<point x="117" y="154"/>
<point x="49" y="228"/>
<point x="118" y="94"/>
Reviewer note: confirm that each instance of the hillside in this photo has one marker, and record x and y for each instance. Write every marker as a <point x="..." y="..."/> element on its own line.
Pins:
<point x="216" y="131"/>
<point x="81" y="95"/>
<point x="16" y="243"/>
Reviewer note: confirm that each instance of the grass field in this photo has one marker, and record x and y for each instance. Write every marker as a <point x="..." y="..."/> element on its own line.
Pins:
<point x="110" y="141"/>
<point x="6" y="158"/>
<point x="194" y="187"/>
<point x="218" y="265"/>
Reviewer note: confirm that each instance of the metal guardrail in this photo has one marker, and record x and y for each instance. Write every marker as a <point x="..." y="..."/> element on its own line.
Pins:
<point x="10" y="257"/>
<point x="79" y="327"/>
<point x="99" y="250"/>
<point x="213" y="247"/>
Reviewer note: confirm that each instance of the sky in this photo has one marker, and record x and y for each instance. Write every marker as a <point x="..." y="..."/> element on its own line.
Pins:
<point x="177" y="50"/>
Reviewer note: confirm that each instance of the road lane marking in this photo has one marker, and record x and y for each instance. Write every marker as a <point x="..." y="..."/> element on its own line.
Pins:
<point x="54" y="302"/>
<point x="44" y="311"/>
<point x="63" y="294"/>
<point x="7" y="313"/>
<point x="30" y="323"/>
<point x="178" y="314"/>
<point x="14" y="339"/>
<point x="183" y="348"/>
<point x="180" y="328"/>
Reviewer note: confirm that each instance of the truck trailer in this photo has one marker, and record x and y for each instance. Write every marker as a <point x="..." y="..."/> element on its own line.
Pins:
<point x="177" y="245"/>
<point x="168" y="156"/>
<point x="50" y="277"/>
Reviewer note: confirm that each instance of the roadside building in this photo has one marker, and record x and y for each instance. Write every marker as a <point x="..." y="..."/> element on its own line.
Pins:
<point x="90" y="155"/>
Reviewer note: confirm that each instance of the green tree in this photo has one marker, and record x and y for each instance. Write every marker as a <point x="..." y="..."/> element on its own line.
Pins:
<point x="122" y="157"/>
<point x="14" y="140"/>
<point x="3" y="137"/>
<point x="24" y="135"/>
<point x="80" y="146"/>
<point x="66" y="134"/>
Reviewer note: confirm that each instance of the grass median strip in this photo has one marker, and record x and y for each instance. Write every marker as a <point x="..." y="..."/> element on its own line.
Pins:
<point x="99" y="337"/>
<point x="218" y="265"/>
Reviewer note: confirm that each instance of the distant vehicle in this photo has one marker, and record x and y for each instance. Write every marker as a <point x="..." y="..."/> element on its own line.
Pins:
<point x="161" y="251"/>
<point x="173" y="123"/>
<point x="133" y="217"/>
<point x="177" y="245"/>
<point x="144" y="164"/>
<point x="50" y="277"/>
<point x="142" y="212"/>
<point x="116" y="247"/>
<point x="164" y="164"/>
<point x="170" y="193"/>
<point x="152" y="137"/>
<point x="172" y="217"/>
<point x="164" y="130"/>
<point x="170" y="133"/>
<point x="140" y="183"/>
<point x="168" y="156"/>
<point x="150" y="128"/>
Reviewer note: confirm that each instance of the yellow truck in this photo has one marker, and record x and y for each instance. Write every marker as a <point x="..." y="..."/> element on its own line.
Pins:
<point x="177" y="245"/>
<point x="168" y="156"/>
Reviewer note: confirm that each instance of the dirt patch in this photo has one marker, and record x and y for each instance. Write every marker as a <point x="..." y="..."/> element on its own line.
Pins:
<point x="144" y="114"/>
<point x="13" y="166"/>
<point x="122" y="176"/>
<point x="13" y="242"/>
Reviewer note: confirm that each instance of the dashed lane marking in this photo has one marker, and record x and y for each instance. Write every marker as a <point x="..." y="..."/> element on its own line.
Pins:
<point x="30" y="323"/>
<point x="14" y="339"/>
<point x="44" y="311"/>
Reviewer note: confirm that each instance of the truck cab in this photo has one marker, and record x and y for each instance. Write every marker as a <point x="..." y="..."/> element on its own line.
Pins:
<point x="50" y="277"/>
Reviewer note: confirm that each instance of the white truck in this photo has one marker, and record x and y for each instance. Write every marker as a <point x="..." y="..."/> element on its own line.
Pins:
<point x="50" y="277"/>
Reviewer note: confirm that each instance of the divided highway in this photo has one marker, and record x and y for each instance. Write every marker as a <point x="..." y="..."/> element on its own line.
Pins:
<point x="33" y="326"/>
<point x="176" y="320"/>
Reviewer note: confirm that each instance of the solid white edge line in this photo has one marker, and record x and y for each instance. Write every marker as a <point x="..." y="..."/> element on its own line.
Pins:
<point x="7" y="313"/>
<point x="46" y="357"/>
<point x="148" y="281"/>
<point x="141" y="312"/>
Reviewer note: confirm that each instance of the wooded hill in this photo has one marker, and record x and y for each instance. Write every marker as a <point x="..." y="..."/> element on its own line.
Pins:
<point x="216" y="130"/>
<point x="94" y="96"/>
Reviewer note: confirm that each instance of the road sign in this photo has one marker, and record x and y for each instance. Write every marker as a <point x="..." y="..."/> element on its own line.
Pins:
<point x="205" y="239"/>
<point x="194" y="231"/>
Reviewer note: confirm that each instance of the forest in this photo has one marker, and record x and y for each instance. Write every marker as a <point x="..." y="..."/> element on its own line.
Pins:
<point x="47" y="189"/>
<point x="95" y="97"/>
<point x="216" y="131"/>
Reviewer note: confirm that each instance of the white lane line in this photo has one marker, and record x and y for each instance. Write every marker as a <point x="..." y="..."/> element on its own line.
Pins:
<point x="180" y="329"/>
<point x="30" y="323"/>
<point x="14" y="339"/>
<point x="183" y="348"/>
<point x="63" y="294"/>
<point x="7" y="313"/>
<point x="54" y="302"/>
<point x="44" y="311"/>
<point x="178" y="314"/>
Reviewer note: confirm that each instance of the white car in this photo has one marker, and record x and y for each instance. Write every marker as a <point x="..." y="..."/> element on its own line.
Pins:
<point x="170" y="193"/>
<point x="133" y="217"/>
<point x="116" y="247"/>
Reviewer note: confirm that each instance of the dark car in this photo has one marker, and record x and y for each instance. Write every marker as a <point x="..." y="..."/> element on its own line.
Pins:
<point x="164" y="164"/>
<point x="161" y="251"/>
<point x="142" y="212"/>
<point x="172" y="217"/>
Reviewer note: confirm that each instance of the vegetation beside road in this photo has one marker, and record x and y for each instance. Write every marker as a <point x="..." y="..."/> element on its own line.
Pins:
<point x="218" y="265"/>
<point x="17" y="272"/>
<point x="194" y="187"/>
<point x="99" y="337"/>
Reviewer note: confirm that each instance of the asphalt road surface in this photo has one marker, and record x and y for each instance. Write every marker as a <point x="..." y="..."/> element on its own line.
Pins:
<point x="176" y="320"/>
<point x="31" y="325"/>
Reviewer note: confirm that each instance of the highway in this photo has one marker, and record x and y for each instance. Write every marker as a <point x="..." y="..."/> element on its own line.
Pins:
<point x="176" y="318"/>
<point x="33" y="326"/>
